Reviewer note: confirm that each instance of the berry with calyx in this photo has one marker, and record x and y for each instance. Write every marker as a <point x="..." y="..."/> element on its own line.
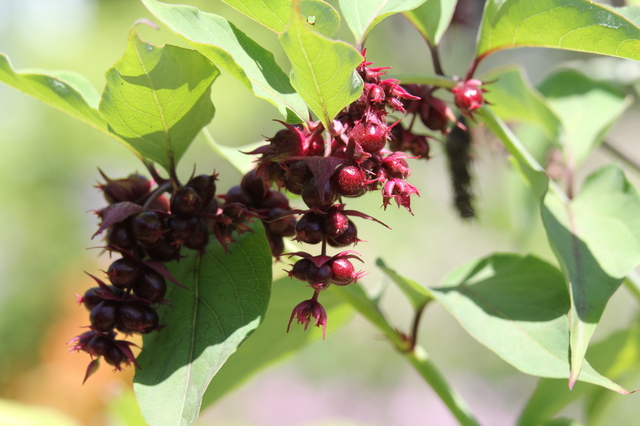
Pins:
<point x="163" y="251"/>
<point x="104" y="315"/>
<point x="179" y="229"/>
<point x="370" y="136"/>
<point x="205" y="187"/>
<point x="319" y="277"/>
<point x="300" y="268"/>
<point x="99" y="345"/>
<point x="348" y="237"/>
<point x="148" y="228"/>
<point x="200" y="236"/>
<point x="121" y="236"/>
<point x="335" y="223"/>
<point x="186" y="202"/>
<point x="130" y="317"/>
<point x="91" y="298"/>
<point x="151" y="287"/>
<point x="468" y="96"/>
<point x="342" y="272"/>
<point x="349" y="181"/>
<point x="296" y="176"/>
<point x="309" y="228"/>
<point x="314" y="196"/>
<point x="124" y="273"/>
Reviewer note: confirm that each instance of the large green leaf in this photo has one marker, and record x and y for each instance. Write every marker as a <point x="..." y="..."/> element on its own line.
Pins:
<point x="66" y="91"/>
<point x="275" y="14"/>
<point x="595" y="236"/>
<point x="229" y="48"/>
<point x="323" y="69"/>
<point x="271" y="343"/>
<point x="516" y="306"/>
<point x="432" y="18"/>
<point x="586" y="108"/>
<point x="158" y="98"/>
<point x="363" y="15"/>
<point x="614" y="356"/>
<point x="513" y="98"/>
<point x="225" y="302"/>
<point x="561" y="24"/>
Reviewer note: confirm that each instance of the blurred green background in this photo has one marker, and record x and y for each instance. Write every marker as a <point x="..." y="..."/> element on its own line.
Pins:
<point x="48" y="166"/>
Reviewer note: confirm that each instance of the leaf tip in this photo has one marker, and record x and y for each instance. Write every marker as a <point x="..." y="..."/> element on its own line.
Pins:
<point x="145" y="21"/>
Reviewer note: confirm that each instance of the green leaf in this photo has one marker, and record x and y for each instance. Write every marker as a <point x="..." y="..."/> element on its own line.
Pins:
<point x="158" y="98"/>
<point x="229" y="48"/>
<point x="363" y="15"/>
<point x="596" y="236"/>
<point x="586" y="108"/>
<point x="275" y="14"/>
<point x="516" y="306"/>
<point x="614" y="356"/>
<point x="513" y="98"/>
<point x="323" y="69"/>
<point x="560" y="24"/>
<point x="271" y="342"/>
<point x="418" y="296"/>
<point x="432" y="18"/>
<point x="225" y="302"/>
<point x="562" y="422"/>
<point x="66" y="91"/>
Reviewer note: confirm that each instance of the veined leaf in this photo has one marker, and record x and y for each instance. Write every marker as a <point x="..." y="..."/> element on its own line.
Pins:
<point x="323" y="69"/>
<point x="432" y="18"/>
<point x="560" y="24"/>
<point x="229" y="48"/>
<point x="66" y="91"/>
<point x="158" y="98"/>
<point x="275" y="14"/>
<point x="586" y="108"/>
<point x="516" y="306"/>
<point x="225" y="302"/>
<point x="595" y="236"/>
<point x="363" y="15"/>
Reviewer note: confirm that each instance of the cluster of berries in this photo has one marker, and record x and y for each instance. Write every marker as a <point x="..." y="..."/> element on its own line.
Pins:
<point x="349" y="162"/>
<point x="147" y="229"/>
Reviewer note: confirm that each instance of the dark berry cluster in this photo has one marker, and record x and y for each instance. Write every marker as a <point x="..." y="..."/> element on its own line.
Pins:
<point x="325" y="166"/>
<point x="146" y="228"/>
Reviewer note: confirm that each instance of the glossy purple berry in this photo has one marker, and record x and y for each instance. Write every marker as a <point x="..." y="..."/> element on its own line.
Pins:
<point x="342" y="272"/>
<point x="148" y="228"/>
<point x="335" y="223"/>
<point x="370" y="136"/>
<point x="349" y="181"/>
<point x="309" y="228"/>
<point x="313" y="197"/>
<point x="319" y="277"/>
<point x="300" y="268"/>
<point x="104" y="315"/>
<point x="348" y="237"/>
<point x="152" y="287"/>
<point x="186" y="202"/>
<point x="124" y="272"/>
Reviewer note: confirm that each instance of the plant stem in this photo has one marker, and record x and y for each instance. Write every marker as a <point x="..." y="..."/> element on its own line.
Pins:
<point x="427" y="369"/>
<point x="435" y="57"/>
<point x="414" y="329"/>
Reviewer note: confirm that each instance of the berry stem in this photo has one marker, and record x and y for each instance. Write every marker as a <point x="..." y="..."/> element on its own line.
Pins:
<point x="435" y="57"/>
<point x="164" y="187"/>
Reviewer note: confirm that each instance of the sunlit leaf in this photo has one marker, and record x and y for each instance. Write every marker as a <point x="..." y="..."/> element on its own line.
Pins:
<point x="229" y="48"/>
<point x="14" y="413"/>
<point x="363" y="15"/>
<point x="158" y="98"/>
<point x="579" y="25"/>
<point x="275" y="14"/>
<point x="66" y="91"/>
<point x="586" y="108"/>
<point x="225" y="302"/>
<point x="323" y="69"/>
<point x="432" y="18"/>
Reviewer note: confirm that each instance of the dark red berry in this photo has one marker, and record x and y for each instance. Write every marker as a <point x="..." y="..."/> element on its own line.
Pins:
<point x="148" y="228"/>
<point x="99" y="345"/>
<point x="237" y="194"/>
<point x="124" y="273"/>
<point x="91" y="298"/>
<point x="313" y="197"/>
<point x="200" y="237"/>
<point x="299" y="269"/>
<point x="467" y="95"/>
<point x="180" y="229"/>
<point x="121" y="236"/>
<point x="130" y="317"/>
<point x="150" y="320"/>
<point x="274" y="200"/>
<point x="349" y="181"/>
<point x="309" y="228"/>
<point x="348" y="237"/>
<point x="342" y="272"/>
<point x="285" y="226"/>
<point x="104" y="315"/>
<point x="114" y="356"/>
<point x="296" y="176"/>
<point x="205" y="187"/>
<point x="370" y="136"/>
<point x="186" y="202"/>
<point x="319" y="277"/>
<point x="254" y="186"/>
<point x="335" y="223"/>
<point x="163" y="251"/>
<point x="151" y="287"/>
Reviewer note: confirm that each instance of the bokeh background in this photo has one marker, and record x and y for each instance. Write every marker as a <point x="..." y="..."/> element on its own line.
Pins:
<point x="48" y="166"/>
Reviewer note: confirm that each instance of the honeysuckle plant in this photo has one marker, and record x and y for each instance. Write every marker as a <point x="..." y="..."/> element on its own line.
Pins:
<point x="193" y="268"/>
